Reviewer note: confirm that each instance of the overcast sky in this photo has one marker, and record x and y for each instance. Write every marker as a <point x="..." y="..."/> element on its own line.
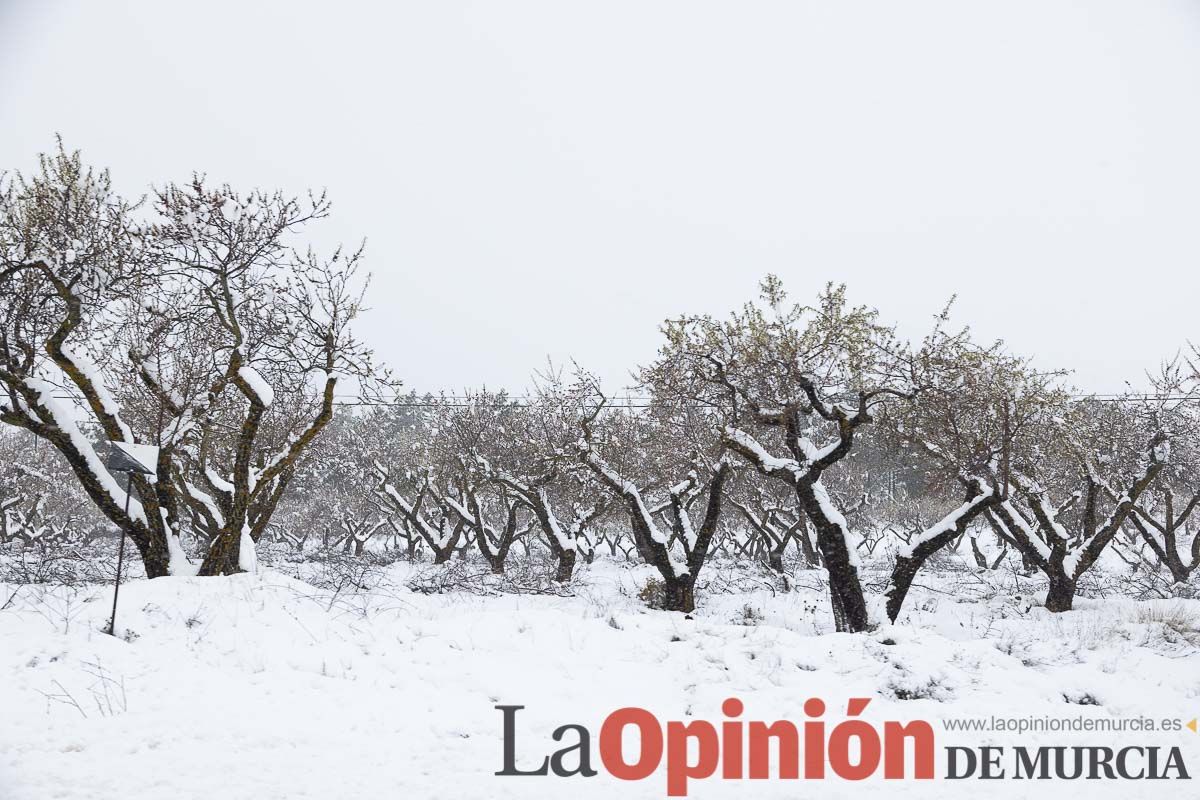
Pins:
<point x="555" y="178"/>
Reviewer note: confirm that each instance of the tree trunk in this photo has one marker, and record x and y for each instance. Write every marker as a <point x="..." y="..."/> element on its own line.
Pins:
<point x="949" y="528"/>
<point x="811" y="559"/>
<point x="1061" y="594"/>
<point x="223" y="555"/>
<point x="977" y="554"/>
<point x="566" y="566"/>
<point x="846" y="594"/>
<point x="839" y="613"/>
<point x="543" y="512"/>
<point x="775" y="557"/>
<point x="679" y="594"/>
<point x="155" y="555"/>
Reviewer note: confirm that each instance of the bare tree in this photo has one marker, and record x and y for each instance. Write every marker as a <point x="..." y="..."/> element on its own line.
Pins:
<point x="179" y="332"/>
<point x="976" y="406"/>
<point x="526" y="450"/>
<point x="425" y="514"/>
<point x="1164" y="518"/>
<point x="70" y="256"/>
<point x="777" y="520"/>
<point x="801" y="381"/>
<point x="1100" y="462"/>
<point x="634" y="456"/>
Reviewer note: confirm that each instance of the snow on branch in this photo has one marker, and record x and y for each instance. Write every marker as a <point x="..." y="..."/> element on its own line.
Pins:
<point x="260" y="389"/>
<point x="62" y="418"/>
<point x="948" y="522"/>
<point x="749" y="447"/>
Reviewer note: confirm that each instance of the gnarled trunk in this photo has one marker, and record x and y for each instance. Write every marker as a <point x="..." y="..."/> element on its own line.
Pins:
<point x="224" y="554"/>
<point x="909" y="561"/>
<point x="551" y="529"/>
<point x="679" y="594"/>
<point x="155" y="555"/>
<point x="1061" y="594"/>
<point x="845" y="589"/>
<point x="566" y="565"/>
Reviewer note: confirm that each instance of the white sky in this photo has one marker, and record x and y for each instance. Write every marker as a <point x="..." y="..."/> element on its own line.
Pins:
<point x="556" y="178"/>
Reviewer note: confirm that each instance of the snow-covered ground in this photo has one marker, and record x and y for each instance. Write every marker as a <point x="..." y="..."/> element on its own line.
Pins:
<point x="262" y="686"/>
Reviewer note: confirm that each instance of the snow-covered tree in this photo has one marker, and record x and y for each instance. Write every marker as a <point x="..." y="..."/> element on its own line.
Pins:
<point x="667" y="465"/>
<point x="527" y="450"/>
<point x="977" y="411"/>
<point x="772" y="512"/>
<point x="1165" y="517"/>
<point x="196" y="328"/>
<point x="1075" y="486"/>
<point x="795" y="384"/>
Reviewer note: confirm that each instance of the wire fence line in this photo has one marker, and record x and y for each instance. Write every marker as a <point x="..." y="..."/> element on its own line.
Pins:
<point x="647" y="402"/>
<point x="464" y="401"/>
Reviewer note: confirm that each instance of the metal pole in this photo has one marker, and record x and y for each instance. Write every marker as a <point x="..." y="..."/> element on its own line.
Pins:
<point x="1005" y="451"/>
<point x="112" y="625"/>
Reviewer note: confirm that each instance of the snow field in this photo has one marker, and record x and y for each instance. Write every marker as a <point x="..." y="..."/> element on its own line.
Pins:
<point x="261" y="686"/>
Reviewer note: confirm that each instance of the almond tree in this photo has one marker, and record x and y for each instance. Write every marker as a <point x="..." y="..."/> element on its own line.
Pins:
<point x="526" y="449"/>
<point x="414" y="468"/>
<point x="1164" y="521"/>
<point x="479" y="506"/>
<point x="776" y="518"/>
<point x="441" y="475"/>
<point x="199" y="331"/>
<point x="637" y="459"/>
<point x="279" y="324"/>
<point x="483" y="427"/>
<point x="71" y="255"/>
<point x="1163" y="518"/>
<point x="1085" y="471"/>
<point x="413" y="494"/>
<point x="484" y="467"/>
<point x="976" y="409"/>
<point x="547" y="493"/>
<point x="795" y="384"/>
<point x="338" y="479"/>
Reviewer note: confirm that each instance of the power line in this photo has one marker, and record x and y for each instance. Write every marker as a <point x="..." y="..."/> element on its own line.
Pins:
<point x="520" y="401"/>
<point x="646" y="402"/>
<point x="385" y="404"/>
